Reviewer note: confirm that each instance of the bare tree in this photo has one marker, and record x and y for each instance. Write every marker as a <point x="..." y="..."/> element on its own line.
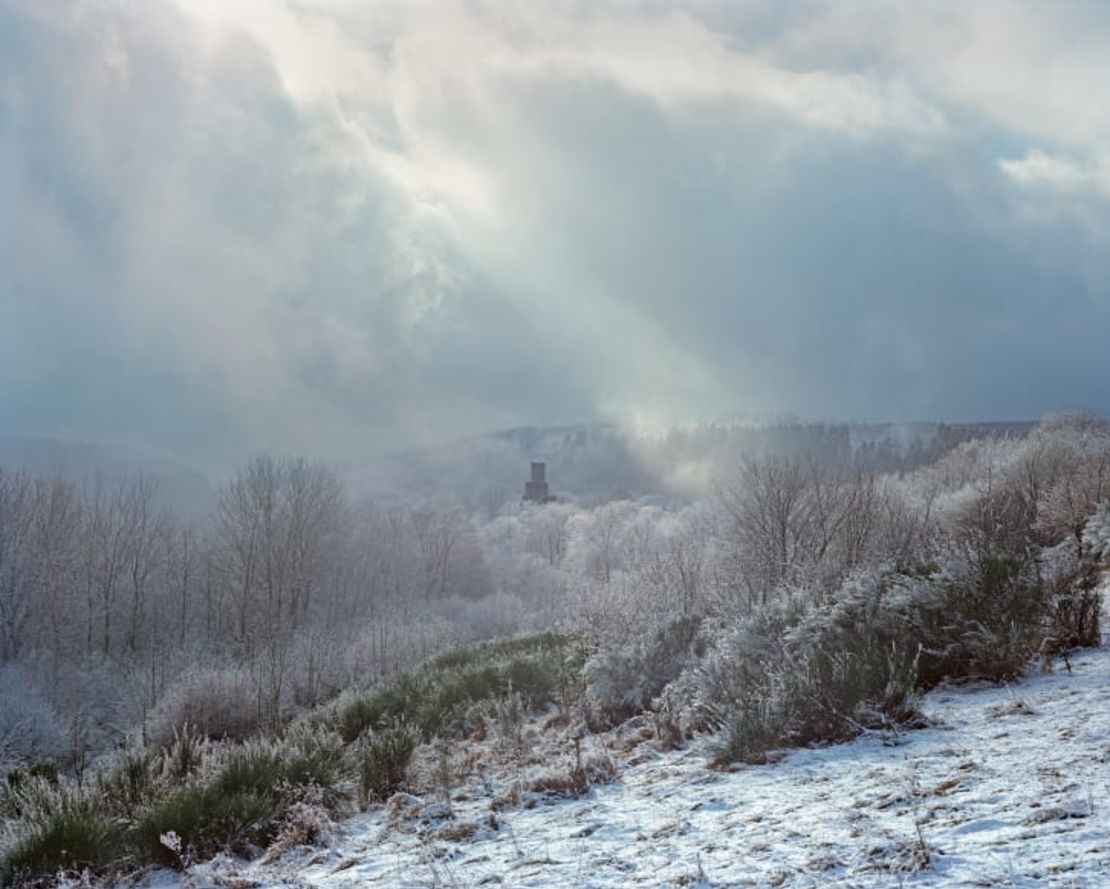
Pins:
<point x="106" y="554"/>
<point x="785" y="520"/>
<point x="16" y="518"/>
<point x="146" y="529"/>
<point x="278" y="517"/>
<point x="54" y="550"/>
<point x="764" y="518"/>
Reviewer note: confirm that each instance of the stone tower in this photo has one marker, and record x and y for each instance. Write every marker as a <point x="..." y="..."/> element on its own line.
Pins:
<point x="535" y="489"/>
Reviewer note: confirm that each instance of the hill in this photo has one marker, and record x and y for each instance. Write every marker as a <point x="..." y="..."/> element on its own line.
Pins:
<point x="1007" y="786"/>
<point x="597" y="462"/>
<point x="182" y="489"/>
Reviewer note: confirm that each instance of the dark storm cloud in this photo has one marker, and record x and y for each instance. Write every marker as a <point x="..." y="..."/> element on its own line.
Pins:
<point x="338" y="227"/>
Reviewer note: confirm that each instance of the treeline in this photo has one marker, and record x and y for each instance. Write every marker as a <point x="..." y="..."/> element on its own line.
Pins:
<point x="600" y="462"/>
<point x="108" y="603"/>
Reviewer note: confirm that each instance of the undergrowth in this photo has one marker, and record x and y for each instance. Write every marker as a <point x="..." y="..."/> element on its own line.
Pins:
<point x="822" y="669"/>
<point x="191" y="798"/>
<point x="435" y="698"/>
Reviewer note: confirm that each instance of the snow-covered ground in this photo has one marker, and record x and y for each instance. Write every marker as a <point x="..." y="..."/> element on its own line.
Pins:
<point x="1011" y="787"/>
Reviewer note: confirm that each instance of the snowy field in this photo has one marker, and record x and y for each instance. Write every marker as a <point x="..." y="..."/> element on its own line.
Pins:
<point x="1011" y="787"/>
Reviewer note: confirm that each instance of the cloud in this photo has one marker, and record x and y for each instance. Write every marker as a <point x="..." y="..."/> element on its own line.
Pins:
<point x="1038" y="170"/>
<point x="338" y="227"/>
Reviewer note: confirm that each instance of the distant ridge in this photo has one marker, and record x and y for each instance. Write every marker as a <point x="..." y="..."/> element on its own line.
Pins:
<point x="183" y="489"/>
<point x="600" y="461"/>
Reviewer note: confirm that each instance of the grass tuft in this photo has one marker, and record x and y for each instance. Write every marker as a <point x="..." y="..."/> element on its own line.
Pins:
<point x="384" y="760"/>
<point x="64" y="831"/>
<point x="434" y="698"/>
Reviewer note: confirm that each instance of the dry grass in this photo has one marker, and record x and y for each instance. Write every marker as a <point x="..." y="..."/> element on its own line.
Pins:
<point x="458" y="832"/>
<point x="576" y="781"/>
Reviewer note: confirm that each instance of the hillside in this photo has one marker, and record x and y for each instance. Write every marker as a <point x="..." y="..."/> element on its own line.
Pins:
<point x="597" y="462"/>
<point x="590" y="463"/>
<point x="1008" y="786"/>
<point x="86" y="464"/>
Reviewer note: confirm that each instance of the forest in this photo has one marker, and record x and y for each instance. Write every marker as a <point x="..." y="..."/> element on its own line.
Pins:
<point x="147" y="660"/>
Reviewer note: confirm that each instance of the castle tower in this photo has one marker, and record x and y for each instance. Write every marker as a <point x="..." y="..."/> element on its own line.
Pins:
<point x="535" y="489"/>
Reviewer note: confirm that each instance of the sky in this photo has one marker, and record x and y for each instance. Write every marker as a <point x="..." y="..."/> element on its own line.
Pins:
<point x="337" y="228"/>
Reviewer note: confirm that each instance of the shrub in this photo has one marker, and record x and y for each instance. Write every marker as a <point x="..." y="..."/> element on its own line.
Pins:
<point x="436" y="697"/>
<point x="750" y="731"/>
<point x="184" y="755"/>
<point x="67" y="841"/>
<point x="207" y="819"/>
<point x="384" y="760"/>
<point x="508" y="713"/>
<point x="303" y="824"/>
<point x="1072" y="575"/>
<point x="1096" y="534"/>
<point x="1075" y="615"/>
<point x="307" y="757"/>
<point x="354" y="713"/>
<point x="30" y="730"/>
<point x="217" y="703"/>
<point x="976" y="619"/>
<point x="504" y="648"/>
<point x="314" y="757"/>
<point x="736" y="671"/>
<point x="240" y="797"/>
<point x="257" y="768"/>
<point x="819" y="695"/>
<point x="205" y="798"/>
<point x="63" y="829"/>
<point x="129" y="783"/>
<point x="813" y="669"/>
<point x="625" y="681"/>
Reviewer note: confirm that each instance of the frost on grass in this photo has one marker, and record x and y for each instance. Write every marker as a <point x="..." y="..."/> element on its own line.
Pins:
<point x="994" y="793"/>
